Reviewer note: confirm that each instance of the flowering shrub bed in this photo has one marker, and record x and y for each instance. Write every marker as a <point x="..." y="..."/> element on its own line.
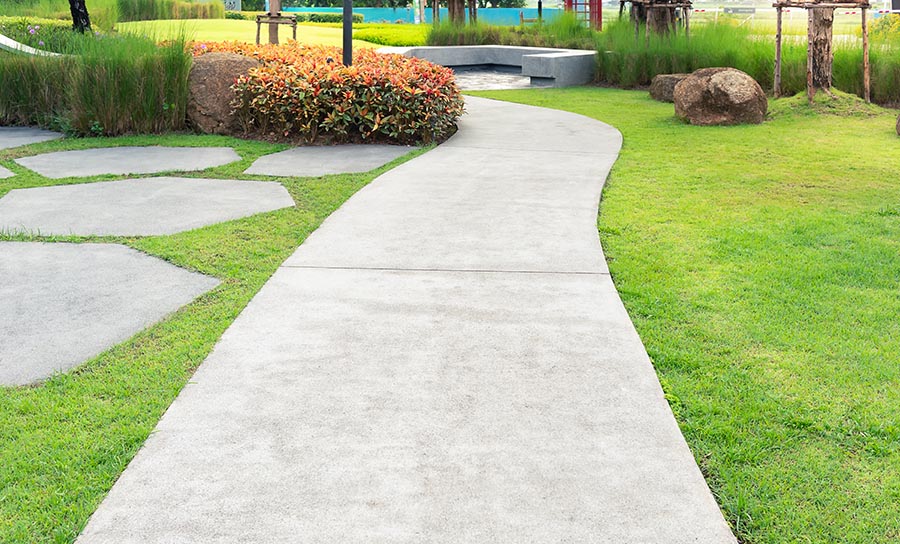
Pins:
<point x="306" y="92"/>
<point x="48" y="34"/>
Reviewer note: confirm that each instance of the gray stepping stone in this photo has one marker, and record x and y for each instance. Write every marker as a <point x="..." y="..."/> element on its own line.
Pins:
<point x="62" y="304"/>
<point x="5" y="173"/>
<point x="137" y="207"/>
<point x="323" y="160"/>
<point x="17" y="136"/>
<point x="127" y="160"/>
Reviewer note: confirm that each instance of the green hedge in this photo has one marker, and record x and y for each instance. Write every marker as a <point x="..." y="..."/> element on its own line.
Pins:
<point x="326" y="17"/>
<point x="391" y="34"/>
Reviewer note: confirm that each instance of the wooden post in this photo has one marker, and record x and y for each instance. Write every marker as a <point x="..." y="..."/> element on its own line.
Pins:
<point x="687" y="22"/>
<point x="810" y="92"/>
<point x="777" y="89"/>
<point x="867" y="82"/>
<point x="274" y="10"/>
<point x="820" y="47"/>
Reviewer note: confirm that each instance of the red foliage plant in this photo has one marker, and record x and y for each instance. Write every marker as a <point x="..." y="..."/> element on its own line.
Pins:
<point x="305" y="92"/>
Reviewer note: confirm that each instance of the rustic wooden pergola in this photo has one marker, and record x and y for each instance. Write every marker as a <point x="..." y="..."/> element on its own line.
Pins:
<point x="657" y="14"/>
<point x="819" y="55"/>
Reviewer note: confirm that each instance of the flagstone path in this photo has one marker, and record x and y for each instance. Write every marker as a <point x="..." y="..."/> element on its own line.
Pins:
<point x="127" y="160"/>
<point x="61" y="304"/>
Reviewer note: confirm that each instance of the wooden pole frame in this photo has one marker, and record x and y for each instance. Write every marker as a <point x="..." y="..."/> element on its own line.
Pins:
<point x="810" y="6"/>
<point x="867" y="77"/>
<point x="810" y="91"/>
<point x="778" y="37"/>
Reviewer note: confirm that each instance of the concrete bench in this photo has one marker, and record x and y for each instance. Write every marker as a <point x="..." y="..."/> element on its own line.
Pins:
<point x="545" y="66"/>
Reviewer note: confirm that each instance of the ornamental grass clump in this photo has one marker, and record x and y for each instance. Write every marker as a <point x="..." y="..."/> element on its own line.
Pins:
<point x="101" y="86"/>
<point x="306" y="93"/>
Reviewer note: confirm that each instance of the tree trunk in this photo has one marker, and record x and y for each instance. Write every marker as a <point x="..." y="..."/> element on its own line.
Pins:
<point x="660" y="20"/>
<point x="274" y="9"/>
<point x="638" y="14"/>
<point x="820" y="55"/>
<point x="456" y="11"/>
<point x="473" y="12"/>
<point x="81" y="21"/>
<point x="435" y="12"/>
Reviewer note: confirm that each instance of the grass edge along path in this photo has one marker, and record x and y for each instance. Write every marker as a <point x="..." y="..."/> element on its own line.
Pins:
<point x="761" y="265"/>
<point x="64" y="442"/>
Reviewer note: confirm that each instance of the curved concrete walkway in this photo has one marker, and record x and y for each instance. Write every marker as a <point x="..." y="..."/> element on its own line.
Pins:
<point x="444" y="360"/>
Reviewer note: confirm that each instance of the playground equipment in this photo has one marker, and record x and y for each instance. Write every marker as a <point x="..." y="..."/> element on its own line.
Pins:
<point x="587" y="10"/>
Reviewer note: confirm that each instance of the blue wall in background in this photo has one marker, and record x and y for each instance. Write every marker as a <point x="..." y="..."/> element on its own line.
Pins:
<point x="494" y="16"/>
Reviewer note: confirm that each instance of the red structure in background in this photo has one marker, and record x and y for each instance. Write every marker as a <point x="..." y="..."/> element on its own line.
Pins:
<point x="587" y="10"/>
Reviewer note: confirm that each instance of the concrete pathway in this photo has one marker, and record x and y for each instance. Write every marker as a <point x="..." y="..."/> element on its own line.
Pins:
<point x="18" y="136"/>
<point x="323" y="160"/>
<point x="127" y="160"/>
<point x="6" y="173"/>
<point x="61" y="304"/>
<point x="137" y="207"/>
<point x="444" y="360"/>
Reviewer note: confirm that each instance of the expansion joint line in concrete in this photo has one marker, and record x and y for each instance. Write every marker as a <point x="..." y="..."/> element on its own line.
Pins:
<point x="449" y="270"/>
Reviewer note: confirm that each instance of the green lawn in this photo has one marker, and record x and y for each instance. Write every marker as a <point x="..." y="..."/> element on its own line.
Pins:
<point x="64" y="442"/>
<point x="221" y="30"/>
<point x="761" y="266"/>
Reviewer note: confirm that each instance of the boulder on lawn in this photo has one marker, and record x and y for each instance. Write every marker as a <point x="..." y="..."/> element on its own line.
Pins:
<point x="209" y="107"/>
<point x="662" y="87"/>
<point x="720" y="96"/>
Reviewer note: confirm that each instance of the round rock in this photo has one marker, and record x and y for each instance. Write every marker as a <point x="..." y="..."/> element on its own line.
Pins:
<point x="720" y="96"/>
<point x="662" y="87"/>
<point x="209" y="107"/>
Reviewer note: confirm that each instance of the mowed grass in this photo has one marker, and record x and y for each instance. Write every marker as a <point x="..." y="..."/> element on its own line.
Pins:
<point x="64" y="442"/>
<point x="223" y="30"/>
<point x="761" y="266"/>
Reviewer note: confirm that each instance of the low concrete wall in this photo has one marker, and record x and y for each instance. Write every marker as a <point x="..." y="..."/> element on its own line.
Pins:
<point x="545" y="66"/>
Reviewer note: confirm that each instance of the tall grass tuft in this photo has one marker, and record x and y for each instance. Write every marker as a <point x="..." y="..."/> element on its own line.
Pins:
<point x="564" y="31"/>
<point x="104" y="86"/>
<point x="628" y="61"/>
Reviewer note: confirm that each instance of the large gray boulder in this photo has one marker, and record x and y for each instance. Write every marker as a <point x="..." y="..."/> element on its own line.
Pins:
<point x="662" y="87"/>
<point x="720" y="96"/>
<point x="209" y="107"/>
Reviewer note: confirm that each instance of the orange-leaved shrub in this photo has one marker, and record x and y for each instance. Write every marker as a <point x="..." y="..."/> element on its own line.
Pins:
<point x="305" y="91"/>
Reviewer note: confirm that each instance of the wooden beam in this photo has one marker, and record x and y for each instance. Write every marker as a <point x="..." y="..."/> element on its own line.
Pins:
<point x="811" y="5"/>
